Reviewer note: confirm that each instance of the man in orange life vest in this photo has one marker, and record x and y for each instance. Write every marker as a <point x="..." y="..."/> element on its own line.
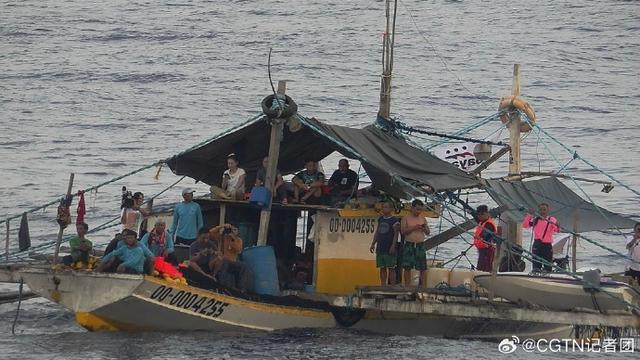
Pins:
<point x="483" y="238"/>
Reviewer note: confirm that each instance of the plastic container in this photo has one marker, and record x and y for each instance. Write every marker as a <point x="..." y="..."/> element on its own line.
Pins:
<point x="262" y="262"/>
<point x="260" y="196"/>
<point x="436" y="276"/>
<point x="463" y="277"/>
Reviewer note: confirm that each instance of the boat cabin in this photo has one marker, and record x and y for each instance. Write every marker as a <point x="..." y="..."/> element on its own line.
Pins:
<point x="321" y="248"/>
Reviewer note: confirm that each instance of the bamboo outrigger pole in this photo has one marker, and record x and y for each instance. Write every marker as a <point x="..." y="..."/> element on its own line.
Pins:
<point x="61" y="230"/>
<point x="274" y="153"/>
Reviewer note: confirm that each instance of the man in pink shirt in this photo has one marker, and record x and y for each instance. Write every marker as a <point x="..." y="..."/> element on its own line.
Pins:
<point x="544" y="226"/>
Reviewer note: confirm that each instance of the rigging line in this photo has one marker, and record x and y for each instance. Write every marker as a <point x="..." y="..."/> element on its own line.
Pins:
<point x="202" y="143"/>
<point x="410" y="129"/>
<point x="471" y="127"/>
<point x="574" y="153"/>
<point x="576" y="234"/>
<point x="393" y="34"/>
<point x="15" y="319"/>
<point x="415" y="188"/>
<point x="435" y="51"/>
<point x="96" y="229"/>
<point x="578" y="185"/>
<point x="275" y="95"/>
<point x="526" y="254"/>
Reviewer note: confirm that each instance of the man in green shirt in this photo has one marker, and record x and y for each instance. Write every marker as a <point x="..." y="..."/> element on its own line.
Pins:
<point x="80" y="246"/>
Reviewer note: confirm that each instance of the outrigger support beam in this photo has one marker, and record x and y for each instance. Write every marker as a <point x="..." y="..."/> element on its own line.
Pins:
<point x="274" y="153"/>
<point x="459" y="229"/>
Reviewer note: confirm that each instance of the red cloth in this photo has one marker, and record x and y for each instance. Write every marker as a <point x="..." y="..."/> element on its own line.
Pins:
<point x="164" y="267"/>
<point x="81" y="208"/>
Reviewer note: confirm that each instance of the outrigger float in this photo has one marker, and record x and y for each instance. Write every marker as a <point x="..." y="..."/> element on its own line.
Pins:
<point x="343" y="291"/>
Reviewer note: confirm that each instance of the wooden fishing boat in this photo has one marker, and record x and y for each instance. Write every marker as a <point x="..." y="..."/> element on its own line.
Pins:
<point x="341" y="290"/>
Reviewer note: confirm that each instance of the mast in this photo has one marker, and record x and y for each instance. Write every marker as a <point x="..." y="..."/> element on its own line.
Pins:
<point x="387" y="59"/>
<point x="515" y="166"/>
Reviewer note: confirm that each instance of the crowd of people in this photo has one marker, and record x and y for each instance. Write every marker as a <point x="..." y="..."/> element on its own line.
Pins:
<point x="215" y="253"/>
<point x="308" y="186"/>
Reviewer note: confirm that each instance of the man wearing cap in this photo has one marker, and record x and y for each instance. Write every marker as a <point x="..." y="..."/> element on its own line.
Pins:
<point x="187" y="219"/>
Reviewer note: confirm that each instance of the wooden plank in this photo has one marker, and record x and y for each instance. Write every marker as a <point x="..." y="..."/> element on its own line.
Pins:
<point x="450" y="233"/>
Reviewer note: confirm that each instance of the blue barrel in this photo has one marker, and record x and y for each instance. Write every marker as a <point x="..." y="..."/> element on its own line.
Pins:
<point x="262" y="262"/>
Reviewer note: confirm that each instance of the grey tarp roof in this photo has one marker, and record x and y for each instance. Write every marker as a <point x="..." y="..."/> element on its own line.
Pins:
<point x="383" y="155"/>
<point x="565" y="205"/>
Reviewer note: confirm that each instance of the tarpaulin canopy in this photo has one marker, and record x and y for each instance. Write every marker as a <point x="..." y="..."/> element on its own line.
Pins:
<point x="383" y="155"/>
<point x="573" y="212"/>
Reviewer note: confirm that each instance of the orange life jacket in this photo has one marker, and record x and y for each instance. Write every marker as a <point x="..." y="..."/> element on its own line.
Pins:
<point x="478" y="241"/>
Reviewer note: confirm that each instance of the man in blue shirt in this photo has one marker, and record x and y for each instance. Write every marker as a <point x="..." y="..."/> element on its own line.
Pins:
<point x="187" y="219"/>
<point x="130" y="258"/>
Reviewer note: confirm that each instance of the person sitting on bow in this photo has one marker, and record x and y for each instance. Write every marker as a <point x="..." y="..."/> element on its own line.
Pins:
<point x="159" y="242"/>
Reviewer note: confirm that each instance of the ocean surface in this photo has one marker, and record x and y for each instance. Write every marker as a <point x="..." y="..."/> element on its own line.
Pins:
<point x="102" y="88"/>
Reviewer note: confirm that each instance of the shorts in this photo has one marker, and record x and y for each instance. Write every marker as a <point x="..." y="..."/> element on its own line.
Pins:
<point x="414" y="256"/>
<point x="385" y="261"/>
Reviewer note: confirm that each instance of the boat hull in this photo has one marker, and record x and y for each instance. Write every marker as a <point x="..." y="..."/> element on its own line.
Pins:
<point x="130" y="302"/>
<point x="558" y="292"/>
<point x="115" y="302"/>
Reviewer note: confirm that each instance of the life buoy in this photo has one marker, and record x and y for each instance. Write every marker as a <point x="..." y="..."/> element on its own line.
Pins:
<point x="521" y="104"/>
<point x="289" y="110"/>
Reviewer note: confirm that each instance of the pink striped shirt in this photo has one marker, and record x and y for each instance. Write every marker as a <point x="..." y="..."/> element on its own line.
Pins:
<point x="543" y="229"/>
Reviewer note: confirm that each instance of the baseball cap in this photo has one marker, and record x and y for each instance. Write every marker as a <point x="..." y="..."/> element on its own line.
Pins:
<point x="187" y="191"/>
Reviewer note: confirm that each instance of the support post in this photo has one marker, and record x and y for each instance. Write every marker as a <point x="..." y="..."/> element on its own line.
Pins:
<point x="274" y="153"/>
<point x="497" y="257"/>
<point x="223" y="214"/>
<point x="515" y="167"/>
<point x="61" y="230"/>
<point x="6" y="244"/>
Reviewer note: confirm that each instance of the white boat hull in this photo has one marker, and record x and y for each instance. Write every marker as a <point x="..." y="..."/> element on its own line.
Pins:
<point x="559" y="292"/>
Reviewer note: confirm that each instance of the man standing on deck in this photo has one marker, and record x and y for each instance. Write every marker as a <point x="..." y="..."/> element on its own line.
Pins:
<point x="414" y="227"/>
<point x="483" y="238"/>
<point x="187" y="219"/>
<point x="544" y="226"/>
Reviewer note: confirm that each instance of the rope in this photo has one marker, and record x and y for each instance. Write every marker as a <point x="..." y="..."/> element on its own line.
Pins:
<point x="575" y="154"/>
<point x="104" y="226"/>
<point x="202" y="143"/>
<point x="471" y="127"/>
<point x="15" y="319"/>
<point x="528" y="255"/>
<point x="409" y="130"/>
<point x="520" y="206"/>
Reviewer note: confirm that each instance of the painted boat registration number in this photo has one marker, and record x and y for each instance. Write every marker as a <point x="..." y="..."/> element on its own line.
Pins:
<point x="189" y="301"/>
